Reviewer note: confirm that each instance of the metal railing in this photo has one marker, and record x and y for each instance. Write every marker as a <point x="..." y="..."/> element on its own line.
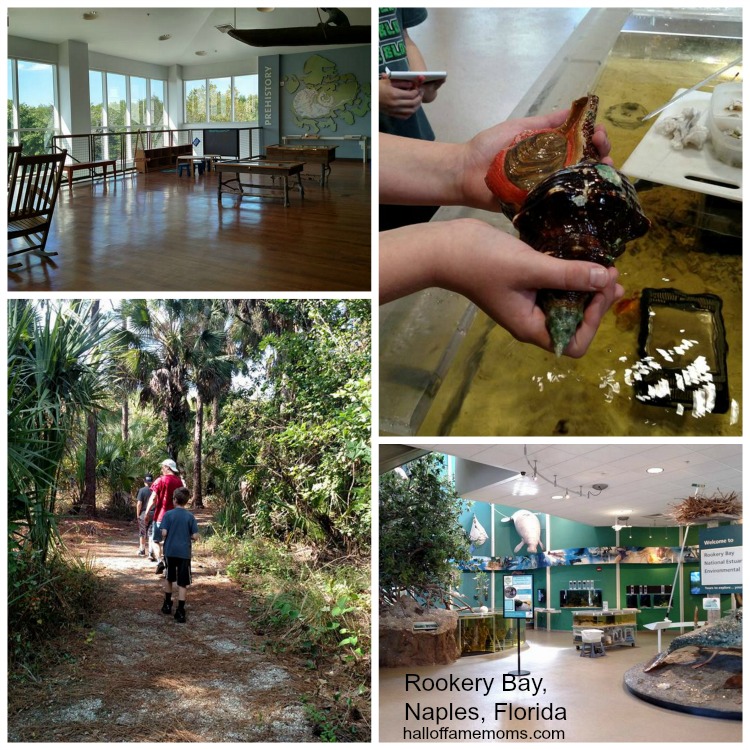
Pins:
<point x="121" y="146"/>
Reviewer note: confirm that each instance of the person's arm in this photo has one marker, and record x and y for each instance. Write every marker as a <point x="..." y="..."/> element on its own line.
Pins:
<point x="496" y="271"/>
<point x="431" y="173"/>
<point x="138" y="506"/>
<point x="151" y="501"/>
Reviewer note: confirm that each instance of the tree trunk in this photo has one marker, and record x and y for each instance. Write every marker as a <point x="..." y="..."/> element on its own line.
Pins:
<point x="89" y="482"/>
<point x="125" y="420"/>
<point x="214" y="423"/>
<point x="197" y="450"/>
<point x="88" y="501"/>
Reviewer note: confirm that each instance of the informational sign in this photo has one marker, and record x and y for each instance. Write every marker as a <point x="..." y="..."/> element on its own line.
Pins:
<point x="518" y="596"/>
<point x="721" y="559"/>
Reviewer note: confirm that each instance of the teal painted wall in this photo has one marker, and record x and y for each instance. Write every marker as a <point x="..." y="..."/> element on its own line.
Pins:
<point x="566" y="534"/>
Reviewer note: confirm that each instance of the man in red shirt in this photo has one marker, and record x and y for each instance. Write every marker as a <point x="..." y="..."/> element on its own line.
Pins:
<point x="161" y="500"/>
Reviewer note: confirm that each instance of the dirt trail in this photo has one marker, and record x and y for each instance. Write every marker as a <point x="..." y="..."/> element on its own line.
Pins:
<point x="140" y="676"/>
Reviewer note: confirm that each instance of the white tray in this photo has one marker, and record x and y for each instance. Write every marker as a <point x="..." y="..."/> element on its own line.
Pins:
<point x="655" y="160"/>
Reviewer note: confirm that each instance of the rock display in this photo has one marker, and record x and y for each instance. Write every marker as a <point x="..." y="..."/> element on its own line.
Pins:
<point x="402" y="646"/>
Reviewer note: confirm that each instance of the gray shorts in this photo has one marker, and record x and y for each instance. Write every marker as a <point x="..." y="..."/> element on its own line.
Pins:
<point x="156" y="531"/>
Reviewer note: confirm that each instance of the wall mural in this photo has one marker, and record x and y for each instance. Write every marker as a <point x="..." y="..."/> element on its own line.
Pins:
<point x="584" y="556"/>
<point x="322" y="95"/>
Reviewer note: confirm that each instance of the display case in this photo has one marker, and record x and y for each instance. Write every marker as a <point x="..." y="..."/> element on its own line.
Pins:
<point x="579" y="598"/>
<point x="618" y="626"/>
<point x="486" y="632"/>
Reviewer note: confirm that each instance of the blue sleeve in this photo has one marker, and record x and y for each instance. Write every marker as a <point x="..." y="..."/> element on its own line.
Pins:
<point x="165" y="520"/>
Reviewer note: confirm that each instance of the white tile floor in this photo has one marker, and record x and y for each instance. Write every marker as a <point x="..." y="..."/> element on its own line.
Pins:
<point x="598" y="708"/>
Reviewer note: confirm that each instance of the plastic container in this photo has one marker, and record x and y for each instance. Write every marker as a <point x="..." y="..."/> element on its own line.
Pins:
<point x="725" y="123"/>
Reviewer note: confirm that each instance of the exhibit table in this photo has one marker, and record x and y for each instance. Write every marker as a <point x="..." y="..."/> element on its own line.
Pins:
<point x="322" y="155"/>
<point x="306" y="137"/>
<point x="617" y="625"/>
<point x="664" y="624"/>
<point x="273" y="169"/>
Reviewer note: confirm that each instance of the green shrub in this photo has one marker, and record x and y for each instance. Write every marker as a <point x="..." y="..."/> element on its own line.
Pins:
<point x="45" y="600"/>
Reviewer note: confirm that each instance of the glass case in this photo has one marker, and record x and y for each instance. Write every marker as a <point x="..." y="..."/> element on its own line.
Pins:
<point x="487" y="632"/>
<point x="618" y="626"/>
<point x="477" y="380"/>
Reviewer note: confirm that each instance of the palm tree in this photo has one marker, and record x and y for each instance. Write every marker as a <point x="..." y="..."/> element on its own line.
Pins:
<point x="88" y="501"/>
<point x="56" y="373"/>
<point x="211" y="371"/>
<point x="158" y="356"/>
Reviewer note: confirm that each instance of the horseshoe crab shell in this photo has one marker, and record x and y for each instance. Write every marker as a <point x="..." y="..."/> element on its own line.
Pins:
<point x="584" y="212"/>
<point x="535" y="155"/>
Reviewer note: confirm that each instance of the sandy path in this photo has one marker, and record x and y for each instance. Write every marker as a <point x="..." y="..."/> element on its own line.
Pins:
<point x="140" y="676"/>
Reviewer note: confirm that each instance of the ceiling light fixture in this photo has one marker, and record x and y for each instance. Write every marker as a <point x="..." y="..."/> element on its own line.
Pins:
<point x="621" y="523"/>
<point x="90" y="15"/>
<point x="201" y="53"/>
<point x="654" y="470"/>
<point x="164" y="37"/>
<point x="597" y="488"/>
<point x="265" y="10"/>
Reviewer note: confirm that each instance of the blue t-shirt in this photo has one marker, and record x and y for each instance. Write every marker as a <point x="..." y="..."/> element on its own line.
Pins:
<point x="180" y="525"/>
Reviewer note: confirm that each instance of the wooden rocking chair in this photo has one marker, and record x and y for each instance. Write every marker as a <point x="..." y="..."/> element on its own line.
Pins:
<point x="32" y="194"/>
<point x="14" y="152"/>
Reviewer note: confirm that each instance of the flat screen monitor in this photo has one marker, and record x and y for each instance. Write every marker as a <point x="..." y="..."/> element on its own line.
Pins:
<point x="222" y="142"/>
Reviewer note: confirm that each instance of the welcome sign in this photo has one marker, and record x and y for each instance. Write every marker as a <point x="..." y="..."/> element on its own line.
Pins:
<point x="721" y="559"/>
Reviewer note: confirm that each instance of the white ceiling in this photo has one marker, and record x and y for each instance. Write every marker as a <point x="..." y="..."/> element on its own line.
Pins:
<point x="133" y="33"/>
<point x="631" y="490"/>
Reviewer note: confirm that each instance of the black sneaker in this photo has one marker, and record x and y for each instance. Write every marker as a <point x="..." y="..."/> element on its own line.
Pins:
<point x="152" y="558"/>
<point x="160" y="567"/>
<point x="179" y="615"/>
<point x="141" y="553"/>
<point x="166" y="608"/>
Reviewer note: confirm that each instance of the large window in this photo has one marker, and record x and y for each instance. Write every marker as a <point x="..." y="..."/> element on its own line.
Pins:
<point x="246" y="98"/>
<point x="138" y="103"/>
<point x="121" y="102"/>
<point x="32" y="105"/>
<point x="117" y="102"/>
<point x="158" y="103"/>
<point x="222" y="99"/>
<point x="96" y="94"/>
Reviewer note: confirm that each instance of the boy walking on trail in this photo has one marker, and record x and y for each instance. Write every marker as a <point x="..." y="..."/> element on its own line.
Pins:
<point x="178" y="529"/>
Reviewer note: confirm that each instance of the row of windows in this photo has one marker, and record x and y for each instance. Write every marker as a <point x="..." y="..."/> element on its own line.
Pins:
<point x="119" y="102"/>
<point x="228" y="99"/>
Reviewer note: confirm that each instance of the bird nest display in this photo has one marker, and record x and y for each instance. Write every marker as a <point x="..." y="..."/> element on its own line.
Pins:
<point x="696" y="508"/>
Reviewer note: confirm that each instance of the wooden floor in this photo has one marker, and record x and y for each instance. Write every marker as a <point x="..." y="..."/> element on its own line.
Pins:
<point x="160" y="232"/>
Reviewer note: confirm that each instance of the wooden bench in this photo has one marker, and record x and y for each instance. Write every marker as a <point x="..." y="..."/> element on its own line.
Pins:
<point x="91" y="165"/>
